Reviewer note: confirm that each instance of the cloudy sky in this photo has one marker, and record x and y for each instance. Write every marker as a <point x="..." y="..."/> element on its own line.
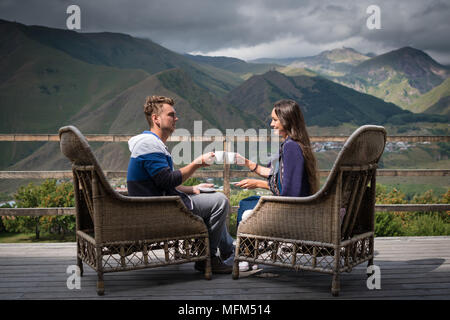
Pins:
<point x="251" y="29"/>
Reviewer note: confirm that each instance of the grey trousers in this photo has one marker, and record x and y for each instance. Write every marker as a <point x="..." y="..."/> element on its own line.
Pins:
<point x="214" y="208"/>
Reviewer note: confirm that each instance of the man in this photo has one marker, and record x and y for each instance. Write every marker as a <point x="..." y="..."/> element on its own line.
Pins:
<point x="151" y="173"/>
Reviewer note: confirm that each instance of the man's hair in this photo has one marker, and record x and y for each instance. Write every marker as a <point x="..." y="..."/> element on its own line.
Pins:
<point x="154" y="105"/>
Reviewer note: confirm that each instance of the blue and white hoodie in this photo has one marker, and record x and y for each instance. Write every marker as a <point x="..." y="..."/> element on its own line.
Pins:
<point x="150" y="170"/>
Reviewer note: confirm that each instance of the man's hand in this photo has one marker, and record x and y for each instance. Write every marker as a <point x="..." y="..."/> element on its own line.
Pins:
<point x="195" y="189"/>
<point x="205" y="159"/>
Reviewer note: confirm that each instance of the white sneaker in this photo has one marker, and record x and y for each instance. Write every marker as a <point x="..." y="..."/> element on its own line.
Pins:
<point x="244" y="266"/>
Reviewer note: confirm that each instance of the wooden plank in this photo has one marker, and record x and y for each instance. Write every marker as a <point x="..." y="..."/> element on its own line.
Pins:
<point x="32" y="212"/>
<point x="67" y="174"/>
<point x="413" y="172"/>
<point x="43" y="277"/>
<point x="412" y="207"/>
<point x="55" y="277"/>
<point x="123" y="138"/>
<point x="146" y="287"/>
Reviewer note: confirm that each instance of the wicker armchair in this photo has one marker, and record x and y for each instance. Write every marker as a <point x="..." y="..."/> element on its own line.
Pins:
<point x="331" y="231"/>
<point x="120" y="233"/>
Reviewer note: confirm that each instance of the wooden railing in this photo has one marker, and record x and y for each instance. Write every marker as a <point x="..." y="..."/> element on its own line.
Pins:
<point x="16" y="137"/>
<point x="226" y="173"/>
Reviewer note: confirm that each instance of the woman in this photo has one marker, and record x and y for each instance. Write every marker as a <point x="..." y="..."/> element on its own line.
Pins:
<point x="293" y="171"/>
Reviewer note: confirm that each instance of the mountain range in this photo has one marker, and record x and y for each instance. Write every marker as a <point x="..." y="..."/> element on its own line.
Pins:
<point x="330" y="62"/>
<point x="99" y="81"/>
<point x="404" y="77"/>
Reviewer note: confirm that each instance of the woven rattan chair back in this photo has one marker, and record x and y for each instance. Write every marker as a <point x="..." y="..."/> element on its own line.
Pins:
<point x="355" y="167"/>
<point x="84" y="166"/>
<point x="76" y="148"/>
<point x="88" y="176"/>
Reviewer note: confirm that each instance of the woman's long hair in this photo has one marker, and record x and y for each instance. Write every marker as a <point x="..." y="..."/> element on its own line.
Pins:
<point x="291" y="118"/>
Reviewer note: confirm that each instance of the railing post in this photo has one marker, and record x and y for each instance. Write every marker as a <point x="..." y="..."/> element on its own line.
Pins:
<point x="226" y="170"/>
<point x="226" y="176"/>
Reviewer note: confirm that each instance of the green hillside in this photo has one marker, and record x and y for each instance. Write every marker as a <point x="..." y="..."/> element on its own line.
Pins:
<point x="335" y="62"/>
<point x="124" y="51"/>
<point x="210" y="108"/>
<point x="324" y="102"/>
<point x="237" y="66"/>
<point x="401" y="76"/>
<point x="42" y="87"/>
<point x="441" y="107"/>
<point x="435" y="101"/>
<point x="407" y="77"/>
<point x="52" y="78"/>
<point x="422" y="72"/>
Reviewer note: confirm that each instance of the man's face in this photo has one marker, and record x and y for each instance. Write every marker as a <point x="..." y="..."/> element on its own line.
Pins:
<point x="166" y="121"/>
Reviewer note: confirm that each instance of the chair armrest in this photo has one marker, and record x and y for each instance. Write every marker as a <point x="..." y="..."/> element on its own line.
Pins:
<point x="310" y="218"/>
<point x="122" y="218"/>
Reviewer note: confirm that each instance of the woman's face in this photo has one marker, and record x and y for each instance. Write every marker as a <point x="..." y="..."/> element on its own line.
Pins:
<point x="276" y="125"/>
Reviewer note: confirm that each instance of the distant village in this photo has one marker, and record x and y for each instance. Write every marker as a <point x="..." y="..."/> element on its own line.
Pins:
<point x="397" y="146"/>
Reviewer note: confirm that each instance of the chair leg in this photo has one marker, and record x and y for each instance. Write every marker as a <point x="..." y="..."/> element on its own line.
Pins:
<point x="369" y="263"/>
<point x="100" y="284"/>
<point x="235" y="274"/>
<point x="336" y="285"/>
<point x="208" y="268"/>
<point x="80" y="265"/>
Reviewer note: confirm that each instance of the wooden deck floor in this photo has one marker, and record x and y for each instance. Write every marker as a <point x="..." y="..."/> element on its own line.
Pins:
<point x="411" y="268"/>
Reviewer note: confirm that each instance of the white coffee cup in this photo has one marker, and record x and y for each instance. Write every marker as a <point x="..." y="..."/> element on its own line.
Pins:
<point x="219" y="156"/>
<point x="230" y="156"/>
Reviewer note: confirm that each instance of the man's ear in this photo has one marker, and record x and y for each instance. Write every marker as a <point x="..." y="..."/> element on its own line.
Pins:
<point x="155" y="120"/>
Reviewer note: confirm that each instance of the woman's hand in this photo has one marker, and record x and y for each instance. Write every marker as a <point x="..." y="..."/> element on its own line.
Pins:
<point x="249" y="183"/>
<point x="195" y="189"/>
<point x="240" y="160"/>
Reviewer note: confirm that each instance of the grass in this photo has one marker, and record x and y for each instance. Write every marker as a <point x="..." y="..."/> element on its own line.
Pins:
<point x="429" y="224"/>
<point x="10" y="237"/>
<point x="411" y="224"/>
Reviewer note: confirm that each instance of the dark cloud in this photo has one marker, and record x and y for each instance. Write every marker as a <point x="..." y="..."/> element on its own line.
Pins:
<point x="252" y="28"/>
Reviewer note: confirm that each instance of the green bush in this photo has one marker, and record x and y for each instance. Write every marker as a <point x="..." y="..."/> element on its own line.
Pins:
<point x="49" y="194"/>
<point x="387" y="224"/>
<point x="2" y="226"/>
<point x="235" y="198"/>
<point x="428" y="224"/>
